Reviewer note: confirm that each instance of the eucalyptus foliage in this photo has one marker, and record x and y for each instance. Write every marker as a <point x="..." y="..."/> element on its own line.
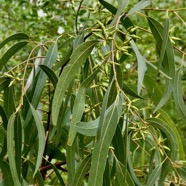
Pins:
<point x="101" y="103"/>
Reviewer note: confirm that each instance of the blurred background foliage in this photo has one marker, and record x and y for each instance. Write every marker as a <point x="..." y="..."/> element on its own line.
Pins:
<point x="46" y="20"/>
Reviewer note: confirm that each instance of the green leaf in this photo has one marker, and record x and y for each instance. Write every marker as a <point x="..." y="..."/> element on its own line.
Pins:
<point x="127" y="90"/>
<point x="81" y="171"/>
<point x="18" y="143"/>
<point x="168" y="61"/>
<point x="10" y="52"/>
<point x="7" y="177"/>
<point x="77" y="59"/>
<point x="41" y="138"/>
<point x="79" y="105"/>
<point x="4" y="82"/>
<point x="2" y="131"/>
<point x="58" y="175"/>
<point x="70" y="158"/>
<point x="121" y="5"/>
<point x="37" y="91"/>
<point x="173" y="146"/>
<point x="38" y="175"/>
<point x="100" y="151"/>
<point x="182" y="172"/>
<point x="49" y="72"/>
<point x="88" y="128"/>
<point x="18" y="36"/>
<point x="141" y="65"/>
<point x="154" y="176"/>
<point x="142" y="4"/>
<point x="164" y="115"/>
<point x="178" y="97"/>
<point x="108" y="6"/>
<point x="164" y="43"/>
<point x="120" y="169"/>
<point x="11" y="148"/>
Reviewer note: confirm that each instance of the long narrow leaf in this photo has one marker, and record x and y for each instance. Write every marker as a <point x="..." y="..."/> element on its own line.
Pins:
<point x="141" y="65"/>
<point x="79" y="105"/>
<point x="142" y="4"/>
<point x="36" y="94"/>
<point x="10" y="52"/>
<point x="41" y="137"/>
<point x="49" y="72"/>
<point x="99" y="155"/>
<point x="18" y="36"/>
<point x="77" y="59"/>
<point x="121" y="5"/>
<point x="10" y="150"/>
<point x="81" y="171"/>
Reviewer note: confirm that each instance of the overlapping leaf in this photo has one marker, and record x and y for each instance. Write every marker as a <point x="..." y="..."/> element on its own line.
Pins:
<point x="77" y="59"/>
<point x="168" y="59"/>
<point x="99" y="155"/>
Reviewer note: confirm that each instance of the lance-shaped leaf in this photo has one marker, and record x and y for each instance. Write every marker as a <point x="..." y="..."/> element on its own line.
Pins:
<point x="81" y="171"/>
<point x="49" y="61"/>
<point x="10" y="52"/>
<point x="50" y="73"/>
<point x="178" y="97"/>
<point x="120" y="169"/>
<point x="41" y="138"/>
<point x="77" y="59"/>
<point x="11" y="149"/>
<point x="18" y="36"/>
<point x="168" y="60"/>
<point x="90" y="128"/>
<point x="164" y="43"/>
<point x="141" y="65"/>
<point x="142" y="4"/>
<point x="121" y="5"/>
<point x="7" y="177"/>
<point x="154" y="176"/>
<point x="165" y="116"/>
<point x="79" y="106"/>
<point x="172" y="145"/>
<point x="100" y="151"/>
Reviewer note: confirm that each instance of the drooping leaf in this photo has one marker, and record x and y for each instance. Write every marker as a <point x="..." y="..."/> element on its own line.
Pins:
<point x="99" y="155"/>
<point x="7" y="176"/>
<point x="58" y="175"/>
<point x="168" y="60"/>
<point x="164" y="43"/>
<point x="41" y="79"/>
<point x="18" y="36"/>
<point x="41" y="138"/>
<point x="18" y="143"/>
<point x="120" y="169"/>
<point x="10" y="150"/>
<point x="77" y="59"/>
<point x="4" y="82"/>
<point x="121" y="5"/>
<point x="164" y="115"/>
<point x="127" y="90"/>
<point x="154" y="175"/>
<point x="88" y="128"/>
<point x="178" y="97"/>
<point x="81" y="171"/>
<point x="49" y="72"/>
<point x="38" y="175"/>
<point x="71" y="162"/>
<point x="10" y="52"/>
<point x="172" y="145"/>
<point x="141" y="65"/>
<point x="79" y="105"/>
<point x="142" y="4"/>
